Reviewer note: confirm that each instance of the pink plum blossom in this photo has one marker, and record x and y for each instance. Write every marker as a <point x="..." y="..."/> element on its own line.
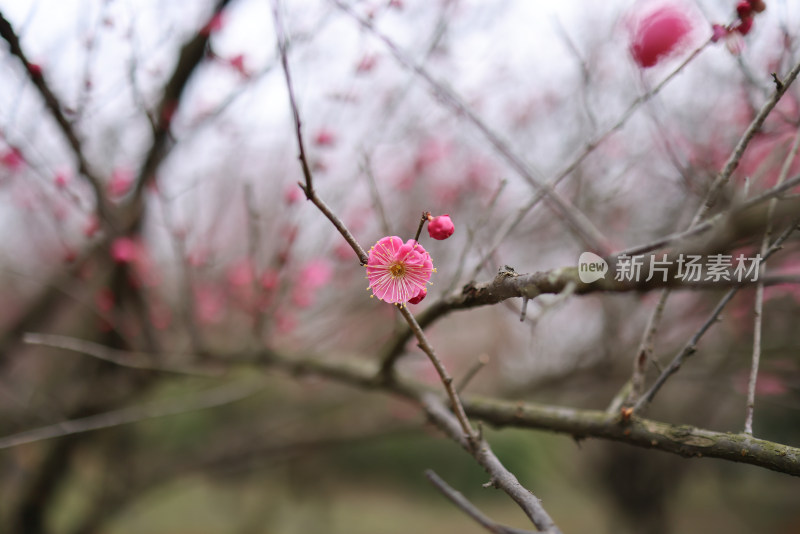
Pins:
<point x="214" y="25"/>
<point x="120" y="183"/>
<point x="124" y="250"/>
<point x="209" y="302"/>
<point x="367" y="63"/>
<point x="62" y="179"/>
<point x="92" y="226"/>
<point x="241" y="273"/>
<point x="658" y="34"/>
<point x="440" y="227"/>
<point x="237" y="63"/>
<point x="291" y="195"/>
<point x="269" y="279"/>
<point x="104" y="300"/>
<point x="324" y="137"/>
<point x="315" y="274"/>
<point x="397" y="272"/>
<point x="35" y="69"/>
<point x="420" y="296"/>
<point x="12" y="159"/>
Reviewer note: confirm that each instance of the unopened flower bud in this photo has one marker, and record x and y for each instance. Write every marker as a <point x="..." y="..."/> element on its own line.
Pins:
<point x="423" y="292"/>
<point x="440" y="227"/>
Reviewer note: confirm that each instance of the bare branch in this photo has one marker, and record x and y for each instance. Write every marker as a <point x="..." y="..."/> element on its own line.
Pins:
<point x="691" y="345"/>
<point x="506" y="284"/>
<point x="683" y="440"/>
<point x="447" y="380"/>
<point x="759" y="304"/>
<point x="308" y="187"/>
<point x="474" y="369"/>
<point x="501" y="477"/>
<point x="123" y="358"/>
<point x="736" y="156"/>
<point x="710" y="223"/>
<point x="54" y="106"/>
<point x="192" y="54"/>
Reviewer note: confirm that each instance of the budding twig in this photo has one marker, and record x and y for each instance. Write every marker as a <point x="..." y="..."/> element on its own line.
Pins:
<point x="422" y="221"/>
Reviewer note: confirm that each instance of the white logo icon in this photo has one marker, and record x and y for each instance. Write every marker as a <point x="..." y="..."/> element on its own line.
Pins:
<point x="591" y="267"/>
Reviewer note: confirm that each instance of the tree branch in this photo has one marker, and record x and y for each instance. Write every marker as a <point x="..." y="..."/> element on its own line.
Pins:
<point x="501" y="477"/>
<point x="457" y="498"/>
<point x="308" y="187"/>
<point x="54" y="106"/>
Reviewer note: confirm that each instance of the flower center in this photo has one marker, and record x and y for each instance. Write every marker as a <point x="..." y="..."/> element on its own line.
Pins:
<point x="397" y="269"/>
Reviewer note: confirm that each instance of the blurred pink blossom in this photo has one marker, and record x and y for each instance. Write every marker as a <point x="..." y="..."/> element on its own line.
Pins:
<point x="269" y="279"/>
<point x="12" y="159"/>
<point x="121" y="182"/>
<point x="91" y="226"/>
<point x="315" y="274"/>
<point x="209" y="302"/>
<point x="767" y="385"/>
<point x="62" y="179"/>
<point x="324" y="137"/>
<point x="659" y="34"/>
<point x="292" y="194"/>
<point x="124" y="250"/>
<point x="240" y="273"/>
<point x="367" y="63"/>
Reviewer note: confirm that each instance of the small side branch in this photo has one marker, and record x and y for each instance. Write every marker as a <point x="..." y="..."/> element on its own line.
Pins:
<point x="54" y="106"/>
<point x="447" y="380"/>
<point x="759" y="304"/>
<point x="736" y="156"/>
<point x="308" y="186"/>
<point x="691" y="345"/>
<point x="501" y="477"/>
<point x="457" y="498"/>
<point x="219" y="396"/>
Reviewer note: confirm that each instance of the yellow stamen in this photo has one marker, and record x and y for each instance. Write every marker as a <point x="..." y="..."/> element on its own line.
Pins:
<point x="397" y="269"/>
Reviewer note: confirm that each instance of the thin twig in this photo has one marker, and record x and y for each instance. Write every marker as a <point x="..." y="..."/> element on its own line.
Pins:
<point x="457" y="498"/>
<point x="123" y="358"/>
<point x="575" y="219"/>
<point x="476" y="367"/>
<point x="253" y="244"/>
<point x="377" y="201"/>
<point x="759" y="304"/>
<point x="282" y="45"/>
<point x="691" y="345"/>
<point x="471" y="232"/>
<point x="645" y="352"/>
<point x="587" y="150"/>
<point x="227" y="394"/>
<point x="191" y="56"/>
<point x="445" y="377"/>
<point x="340" y="226"/>
<point x="736" y="156"/>
<point x="422" y="221"/>
<point x="501" y="477"/>
<point x="721" y="179"/>
<point x="709" y="223"/>
<point x="686" y="351"/>
<point x="308" y="186"/>
<point x="54" y="106"/>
